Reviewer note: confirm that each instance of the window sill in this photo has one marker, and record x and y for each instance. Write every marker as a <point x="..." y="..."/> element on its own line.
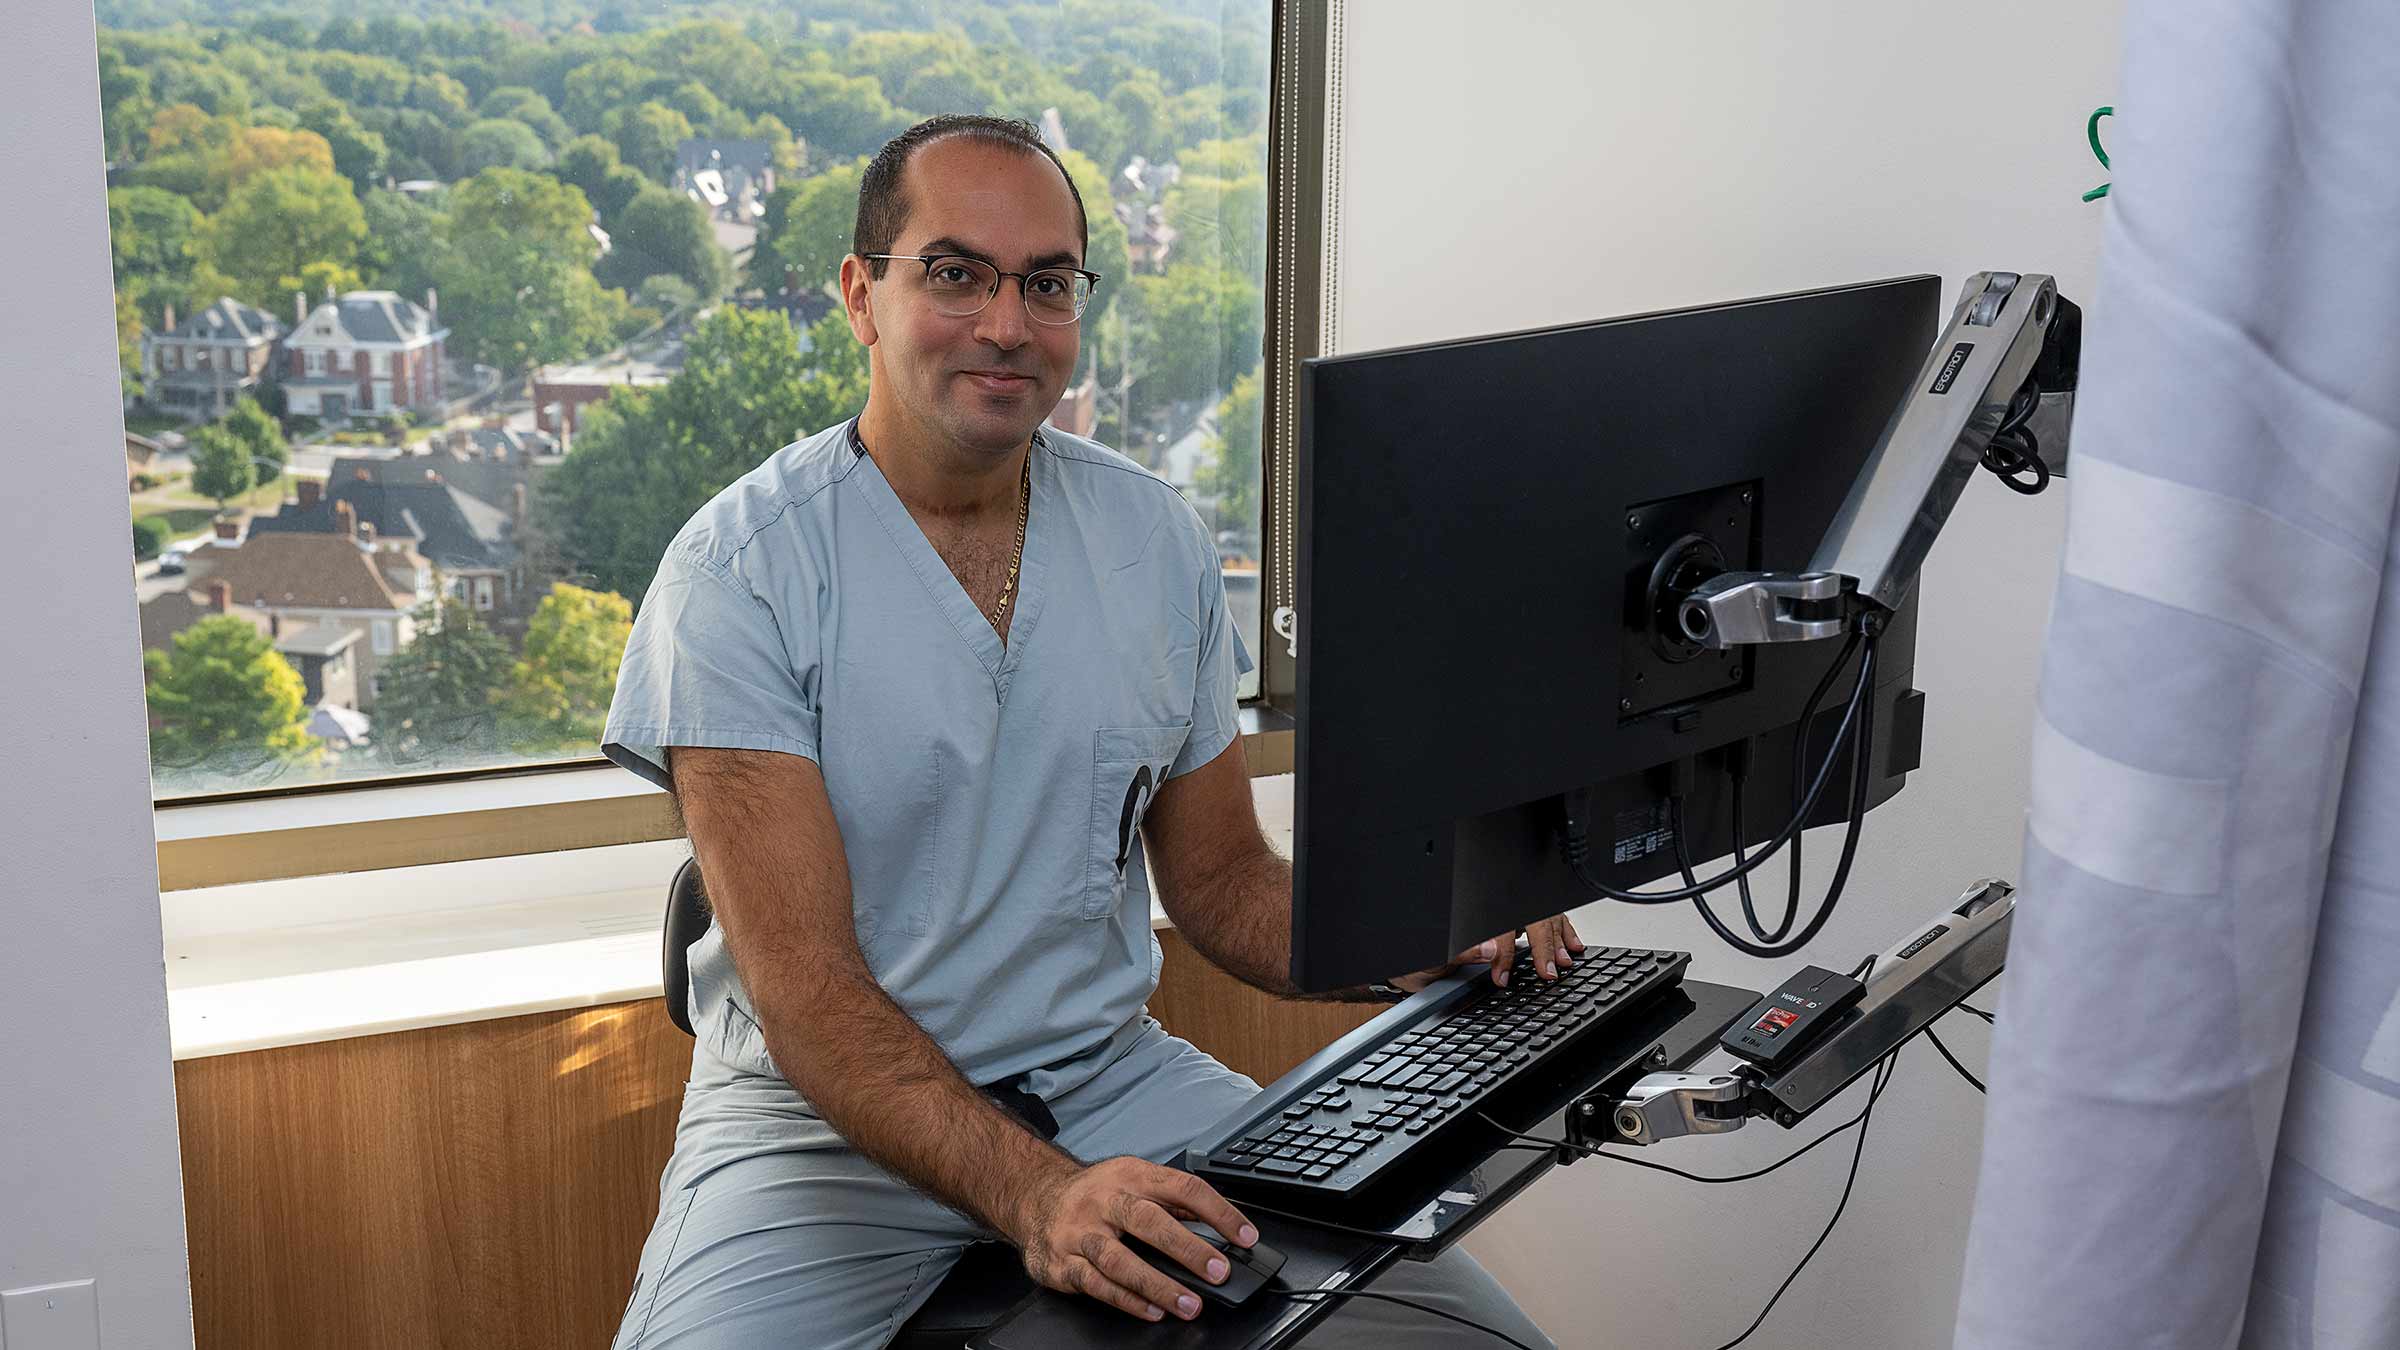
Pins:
<point x="295" y="962"/>
<point x="366" y="829"/>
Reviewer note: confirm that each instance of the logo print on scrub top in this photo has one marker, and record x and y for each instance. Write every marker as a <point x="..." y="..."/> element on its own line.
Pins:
<point x="1137" y="800"/>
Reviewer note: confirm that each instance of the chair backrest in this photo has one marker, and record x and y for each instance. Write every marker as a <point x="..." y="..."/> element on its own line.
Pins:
<point x="688" y="917"/>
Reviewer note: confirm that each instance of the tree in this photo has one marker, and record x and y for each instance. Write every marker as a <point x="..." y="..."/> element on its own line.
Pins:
<point x="151" y="239"/>
<point x="521" y="104"/>
<point x="646" y="459"/>
<point x="130" y="379"/>
<point x="258" y="149"/>
<point x="500" y="141"/>
<point x="516" y="281"/>
<point x="664" y="232"/>
<point x="278" y="222"/>
<point x="358" y="154"/>
<point x="665" y="294"/>
<point x="560" y="691"/>
<point x="221" y="468"/>
<point x="226" y="701"/>
<point x="646" y="136"/>
<point x="404" y="242"/>
<point x="807" y="230"/>
<point x="439" y="695"/>
<point x="1231" y="475"/>
<point x="260" y="436"/>
<point x="149" y="537"/>
<point x="1196" y="326"/>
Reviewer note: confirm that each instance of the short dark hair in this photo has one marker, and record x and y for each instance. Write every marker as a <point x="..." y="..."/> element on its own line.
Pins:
<point x="883" y="209"/>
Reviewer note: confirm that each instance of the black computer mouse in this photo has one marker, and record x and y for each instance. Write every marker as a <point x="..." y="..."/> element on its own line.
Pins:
<point x="1247" y="1269"/>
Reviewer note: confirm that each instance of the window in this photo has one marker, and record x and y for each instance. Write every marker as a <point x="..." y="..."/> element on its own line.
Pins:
<point x="482" y="178"/>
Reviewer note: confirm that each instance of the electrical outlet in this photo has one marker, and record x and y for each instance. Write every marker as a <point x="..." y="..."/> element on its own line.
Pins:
<point x="51" y="1317"/>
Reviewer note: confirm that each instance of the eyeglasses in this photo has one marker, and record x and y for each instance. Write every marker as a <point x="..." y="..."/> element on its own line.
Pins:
<point x="960" y="286"/>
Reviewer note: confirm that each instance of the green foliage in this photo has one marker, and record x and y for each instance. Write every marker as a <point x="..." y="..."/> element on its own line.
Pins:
<point x="502" y="142"/>
<point x="646" y="459"/>
<point x="807" y="229"/>
<point x="1231" y="476"/>
<point x="149" y="537"/>
<point x="646" y="136"/>
<point x="277" y="223"/>
<point x="665" y="294"/>
<point x="151" y="237"/>
<point x="225" y="701"/>
<point x="1196" y="326"/>
<point x="403" y="251"/>
<point x="516" y="282"/>
<point x="221" y="467"/>
<point x="261" y="438"/>
<point x="664" y="232"/>
<point x="130" y="380"/>
<point x="358" y="154"/>
<point x="560" y="691"/>
<point x="528" y="107"/>
<point x="439" y="695"/>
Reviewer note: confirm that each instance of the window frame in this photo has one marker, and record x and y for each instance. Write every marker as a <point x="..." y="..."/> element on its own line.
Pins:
<point x="391" y="823"/>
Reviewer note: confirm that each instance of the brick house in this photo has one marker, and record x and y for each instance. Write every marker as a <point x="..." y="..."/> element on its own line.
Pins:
<point x="320" y="652"/>
<point x="472" y="544"/>
<point x="347" y="578"/>
<point x="203" y="365"/>
<point x="366" y="352"/>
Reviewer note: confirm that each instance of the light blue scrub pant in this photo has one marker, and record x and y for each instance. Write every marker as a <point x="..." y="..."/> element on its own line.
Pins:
<point x="783" y="1235"/>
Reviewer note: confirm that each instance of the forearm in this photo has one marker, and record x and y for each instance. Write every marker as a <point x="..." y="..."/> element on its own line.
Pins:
<point x="1239" y="916"/>
<point x="886" y="1086"/>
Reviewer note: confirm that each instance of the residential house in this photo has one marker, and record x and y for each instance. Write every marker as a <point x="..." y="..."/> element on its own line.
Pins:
<point x="560" y="392"/>
<point x="471" y="544"/>
<point x="346" y="577"/>
<point x="141" y="457"/>
<point x="364" y="353"/>
<point x="731" y="178"/>
<point x="320" y="652"/>
<point x="205" y="364"/>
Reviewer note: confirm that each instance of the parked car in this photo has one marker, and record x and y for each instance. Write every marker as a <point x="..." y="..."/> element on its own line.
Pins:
<point x="170" y="562"/>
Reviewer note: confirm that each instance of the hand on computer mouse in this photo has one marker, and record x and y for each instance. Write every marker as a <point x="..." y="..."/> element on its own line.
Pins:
<point x="1073" y="1226"/>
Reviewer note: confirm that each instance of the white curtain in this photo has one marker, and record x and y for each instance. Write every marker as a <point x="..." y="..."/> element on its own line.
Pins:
<point x="2194" y="1129"/>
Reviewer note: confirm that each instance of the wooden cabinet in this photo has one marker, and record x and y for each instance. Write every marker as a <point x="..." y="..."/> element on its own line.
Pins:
<point x="488" y="1185"/>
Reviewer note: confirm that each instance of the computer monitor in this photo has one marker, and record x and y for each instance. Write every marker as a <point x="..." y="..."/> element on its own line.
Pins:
<point x="1480" y="522"/>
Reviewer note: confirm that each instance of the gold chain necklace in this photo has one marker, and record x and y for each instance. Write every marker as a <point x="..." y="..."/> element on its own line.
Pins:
<point x="1008" y="589"/>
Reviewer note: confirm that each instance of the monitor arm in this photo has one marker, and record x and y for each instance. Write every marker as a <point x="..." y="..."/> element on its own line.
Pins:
<point x="1997" y="389"/>
<point x="1925" y="974"/>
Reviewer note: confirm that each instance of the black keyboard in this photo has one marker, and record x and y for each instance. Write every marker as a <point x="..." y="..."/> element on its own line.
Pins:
<point x="1334" y="1127"/>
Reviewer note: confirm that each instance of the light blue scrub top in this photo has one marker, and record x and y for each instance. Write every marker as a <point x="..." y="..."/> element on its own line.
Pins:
<point x="987" y="793"/>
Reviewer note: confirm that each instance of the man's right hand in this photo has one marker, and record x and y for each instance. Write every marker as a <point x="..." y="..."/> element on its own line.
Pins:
<point x="1069" y="1228"/>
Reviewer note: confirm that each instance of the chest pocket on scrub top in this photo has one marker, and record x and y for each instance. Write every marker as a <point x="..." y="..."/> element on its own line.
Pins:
<point x="1129" y="765"/>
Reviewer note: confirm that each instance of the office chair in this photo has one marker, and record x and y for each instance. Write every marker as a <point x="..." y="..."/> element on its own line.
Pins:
<point x="989" y="1278"/>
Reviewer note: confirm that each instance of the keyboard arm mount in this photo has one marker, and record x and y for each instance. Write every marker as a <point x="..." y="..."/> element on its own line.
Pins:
<point x="1922" y="976"/>
<point x="2004" y="370"/>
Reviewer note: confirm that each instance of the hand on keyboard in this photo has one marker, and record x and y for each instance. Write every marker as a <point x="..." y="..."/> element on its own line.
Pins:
<point x="1554" y="943"/>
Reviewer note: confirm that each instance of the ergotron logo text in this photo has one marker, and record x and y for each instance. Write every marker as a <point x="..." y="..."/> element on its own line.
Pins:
<point x="1958" y="358"/>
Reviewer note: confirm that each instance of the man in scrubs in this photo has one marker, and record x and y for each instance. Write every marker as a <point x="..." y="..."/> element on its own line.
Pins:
<point x="934" y="689"/>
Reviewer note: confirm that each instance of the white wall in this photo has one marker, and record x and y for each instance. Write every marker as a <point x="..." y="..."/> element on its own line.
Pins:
<point x="1506" y="165"/>
<point x="90" y="1183"/>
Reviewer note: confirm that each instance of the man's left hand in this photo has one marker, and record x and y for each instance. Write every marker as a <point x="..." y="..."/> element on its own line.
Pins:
<point x="1554" y="943"/>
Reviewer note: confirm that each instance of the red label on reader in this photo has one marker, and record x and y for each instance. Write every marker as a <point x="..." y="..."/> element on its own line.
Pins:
<point x="1774" y="1022"/>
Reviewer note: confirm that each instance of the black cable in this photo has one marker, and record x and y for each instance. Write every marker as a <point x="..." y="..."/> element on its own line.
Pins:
<point x="1861" y="781"/>
<point x="1972" y="1080"/>
<point x="2014" y="449"/>
<point x="1883" y="1076"/>
<point x="1808" y="719"/>
<point x="1860" y="714"/>
<point x="1314" y="1295"/>
<point x="1865" y="964"/>
<point x="1536" y="1141"/>
<point x="1975" y="1012"/>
